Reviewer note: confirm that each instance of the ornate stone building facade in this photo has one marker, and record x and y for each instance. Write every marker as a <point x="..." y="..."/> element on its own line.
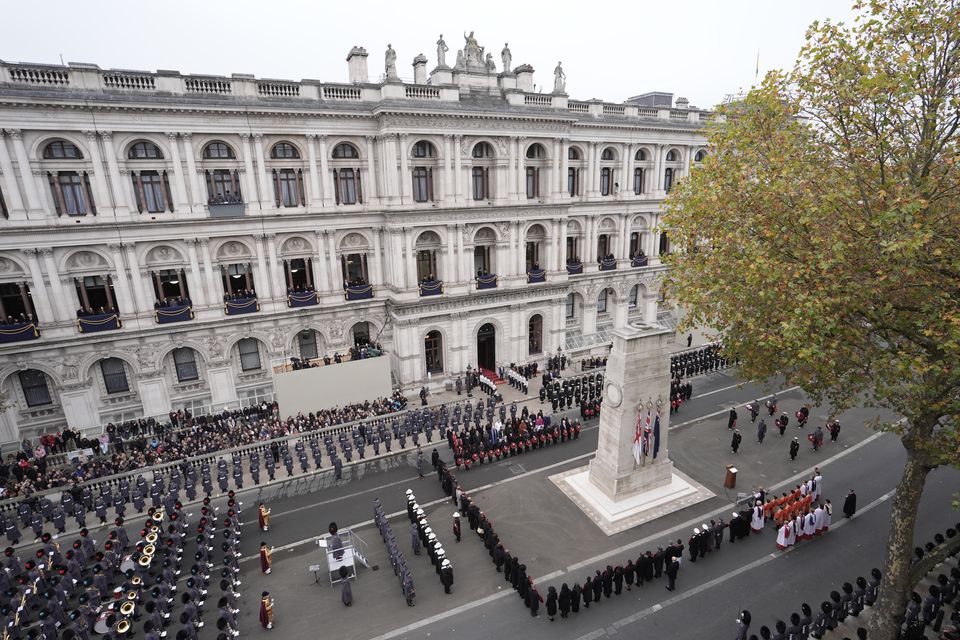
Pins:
<point x="460" y="219"/>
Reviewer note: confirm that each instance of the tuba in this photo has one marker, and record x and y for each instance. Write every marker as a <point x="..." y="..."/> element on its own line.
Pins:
<point x="151" y="538"/>
<point x="149" y="550"/>
<point x="158" y="515"/>
<point x="123" y="626"/>
<point x="144" y="561"/>
<point x="126" y="609"/>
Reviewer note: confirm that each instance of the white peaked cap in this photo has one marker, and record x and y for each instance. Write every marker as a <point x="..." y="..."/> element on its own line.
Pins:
<point x="445" y="563"/>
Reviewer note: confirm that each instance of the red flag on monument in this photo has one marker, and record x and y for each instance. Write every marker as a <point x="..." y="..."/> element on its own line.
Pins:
<point x="637" y="436"/>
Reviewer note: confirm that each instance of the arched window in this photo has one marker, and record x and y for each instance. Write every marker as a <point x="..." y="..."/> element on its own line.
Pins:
<point x="671" y="156"/>
<point x="433" y="352"/>
<point x="218" y="151"/>
<point x="632" y="300"/>
<point x="249" y="351"/>
<point x="35" y="389"/>
<point x="602" y="302"/>
<point x="61" y="150"/>
<point x="307" y="341"/>
<point x="701" y="155"/>
<point x="423" y="149"/>
<point x="607" y="154"/>
<point x="641" y="156"/>
<point x="185" y="364"/>
<point x="284" y="150"/>
<point x="482" y="150"/>
<point x="535" y="334"/>
<point x="114" y="375"/>
<point x="345" y="150"/>
<point x="573" y="153"/>
<point x="145" y="151"/>
<point x="571" y="305"/>
<point x="536" y="151"/>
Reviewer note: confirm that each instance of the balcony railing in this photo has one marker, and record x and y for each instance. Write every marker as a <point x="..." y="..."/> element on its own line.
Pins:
<point x="240" y="306"/>
<point x="608" y="264"/>
<point x="227" y="210"/>
<point x="302" y="299"/>
<point x="18" y="332"/>
<point x="358" y="292"/>
<point x="488" y="281"/>
<point x="173" y="313"/>
<point x="574" y="268"/>
<point x="97" y="322"/>
<point x="536" y="275"/>
<point x="639" y="261"/>
<point x="431" y="288"/>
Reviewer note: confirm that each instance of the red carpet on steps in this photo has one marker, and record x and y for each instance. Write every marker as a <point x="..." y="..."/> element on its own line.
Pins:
<point x="493" y="376"/>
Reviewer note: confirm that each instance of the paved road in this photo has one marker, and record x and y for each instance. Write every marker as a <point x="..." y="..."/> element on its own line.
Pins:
<point x="559" y="544"/>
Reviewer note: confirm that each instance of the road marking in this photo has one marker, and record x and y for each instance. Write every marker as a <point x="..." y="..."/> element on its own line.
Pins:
<point x="710" y="393"/>
<point x="594" y="561"/>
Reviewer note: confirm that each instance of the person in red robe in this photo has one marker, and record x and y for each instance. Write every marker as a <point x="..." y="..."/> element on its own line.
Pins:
<point x="266" y="610"/>
<point x="266" y="558"/>
<point x="264" y="518"/>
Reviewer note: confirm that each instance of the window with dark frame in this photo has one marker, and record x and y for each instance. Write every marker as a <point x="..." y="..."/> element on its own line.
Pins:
<point x="347" y="181"/>
<point x="632" y="300"/>
<point x="288" y="188"/>
<point x="421" y="184"/>
<point x="573" y="181"/>
<point x="307" y="340"/>
<point x="433" y="352"/>
<point x="33" y="383"/>
<point x="62" y="150"/>
<point x="185" y="364"/>
<point x="284" y="150"/>
<point x="533" y="182"/>
<point x="571" y="305"/>
<point x="607" y="154"/>
<point x="479" y="183"/>
<point x="605" y="174"/>
<point x="668" y="180"/>
<point x="638" y="180"/>
<point x="602" y="302"/>
<point x="535" y="334"/>
<point x="423" y="149"/>
<point x="70" y="193"/>
<point x="144" y="151"/>
<point x="249" y="351"/>
<point x="114" y="375"/>
<point x="218" y="151"/>
<point x="345" y="150"/>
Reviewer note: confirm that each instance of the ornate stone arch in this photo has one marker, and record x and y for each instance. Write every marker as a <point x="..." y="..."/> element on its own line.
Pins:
<point x="650" y="152"/>
<point x="296" y="245"/>
<point x="200" y="143"/>
<point x="639" y="222"/>
<point x="547" y="149"/>
<point x="12" y="267"/>
<point x="73" y="137"/>
<point x="353" y="241"/>
<point x="215" y="345"/>
<point x="536" y="223"/>
<point x="233" y="249"/>
<point x="422" y="346"/>
<point x="264" y="338"/>
<point x="321" y="331"/>
<point x="353" y="142"/>
<point x="422" y="240"/>
<point x="49" y="371"/>
<point x="607" y="224"/>
<point x="91" y="359"/>
<point x="436" y="141"/>
<point x="282" y="139"/>
<point x="681" y="153"/>
<point x="84" y="259"/>
<point x="125" y="141"/>
<point x="485" y="233"/>
<point x="613" y="148"/>
<point x="162" y="254"/>
<point x="468" y="145"/>
<point x="580" y="148"/>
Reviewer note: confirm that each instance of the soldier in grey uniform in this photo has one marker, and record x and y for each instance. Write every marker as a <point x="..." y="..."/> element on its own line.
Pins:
<point x="59" y="520"/>
<point x="288" y="463"/>
<point x="269" y="463"/>
<point x="255" y="467"/>
<point x="238" y="476"/>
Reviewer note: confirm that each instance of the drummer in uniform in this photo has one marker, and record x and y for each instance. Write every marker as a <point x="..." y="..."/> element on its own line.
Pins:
<point x="266" y="610"/>
<point x="266" y="558"/>
<point x="264" y="516"/>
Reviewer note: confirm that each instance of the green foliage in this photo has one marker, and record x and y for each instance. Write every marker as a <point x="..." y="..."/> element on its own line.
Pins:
<point x="826" y="222"/>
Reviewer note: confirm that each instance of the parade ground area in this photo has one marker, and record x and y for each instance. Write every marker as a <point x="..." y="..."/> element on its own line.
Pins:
<point x="559" y="544"/>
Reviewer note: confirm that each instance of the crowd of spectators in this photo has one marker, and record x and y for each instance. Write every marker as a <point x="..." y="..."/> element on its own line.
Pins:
<point x="239" y="294"/>
<point x="167" y="303"/>
<point x="16" y="318"/>
<point x="84" y="312"/>
<point x="225" y="198"/>
<point x="137" y="444"/>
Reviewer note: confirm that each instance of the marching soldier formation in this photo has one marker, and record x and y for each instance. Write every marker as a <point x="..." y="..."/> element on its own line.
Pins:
<point x="697" y="361"/>
<point x="393" y="550"/>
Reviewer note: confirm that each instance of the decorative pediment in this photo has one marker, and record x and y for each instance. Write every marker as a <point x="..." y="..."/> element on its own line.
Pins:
<point x="86" y="260"/>
<point x="9" y="267"/>
<point x="233" y="249"/>
<point x="295" y="245"/>
<point x="164" y="255"/>
<point x="354" y="241"/>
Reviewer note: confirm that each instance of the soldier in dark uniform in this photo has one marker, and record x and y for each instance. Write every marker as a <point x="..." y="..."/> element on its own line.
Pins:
<point x="237" y="476"/>
<point x="288" y="463"/>
<point x="270" y="464"/>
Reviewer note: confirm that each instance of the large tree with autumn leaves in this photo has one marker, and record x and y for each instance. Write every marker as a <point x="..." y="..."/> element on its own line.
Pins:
<point x="820" y="239"/>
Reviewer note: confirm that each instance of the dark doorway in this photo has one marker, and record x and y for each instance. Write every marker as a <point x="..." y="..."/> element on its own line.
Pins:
<point x="487" y="347"/>
<point x="664" y="244"/>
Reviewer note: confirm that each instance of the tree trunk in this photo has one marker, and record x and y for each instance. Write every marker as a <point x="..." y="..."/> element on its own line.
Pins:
<point x="895" y="588"/>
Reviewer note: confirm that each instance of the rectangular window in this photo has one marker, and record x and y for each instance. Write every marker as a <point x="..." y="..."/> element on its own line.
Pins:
<point x="288" y="191"/>
<point x="634" y="244"/>
<point x="35" y="390"/>
<point x="571" y="306"/>
<point x="479" y="183"/>
<point x="573" y="186"/>
<point x="602" y="302"/>
<point x="308" y="344"/>
<point x="249" y="354"/>
<point x="432" y="353"/>
<point x="3" y="205"/>
<point x="114" y="375"/>
<point x="605" y="182"/>
<point x="638" y="181"/>
<point x="533" y="189"/>
<point x="632" y="299"/>
<point x="151" y="195"/>
<point x="185" y="363"/>
<point x="421" y="190"/>
<point x="71" y="194"/>
<point x="426" y="265"/>
<point x="668" y="180"/>
<point x="223" y="187"/>
<point x="348" y="186"/>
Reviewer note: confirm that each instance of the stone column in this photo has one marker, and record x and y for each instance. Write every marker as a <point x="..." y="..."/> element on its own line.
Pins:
<point x="464" y="268"/>
<point x="336" y="278"/>
<point x="406" y="186"/>
<point x="198" y="198"/>
<point x="249" y="181"/>
<point x="589" y="238"/>
<point x="377" y="257"/>
<point x="213" y="289"/>
<point x="447" y="197"/>
<point x="322" y="264"/>
<point x="62" y="301"/>
<point x="116" y="182"/>
<point x="11" y="190"/>
<point x="512" y="267"/>
<point x="511" y="169"/>
<point x="266" y="193"/>
<point x="38" y="287"/>
<point x="396" y="259"/>
<point x="590" y="312"/>
<point x="626" y="175"/>
<point x="100" y="190"/>
<point x="636" y="378"/>
<point x="551" y="262"/>
<point x="625" y="238"/>
<point x="179" y="182"/>
<point x="503" y="181"/>
<point x="276" y="273"/>
<point x="326" y="178"/>
<point x="26" y="173"/>
<point x="451" y="268"/>
<point x="650" y="307"/>
<point x="316" y="197"/>
<point x="370" y="184"/>
<point x="124" y="298"/>
<point x="457" y="169"/>
<point x="410" y="261"/>
<point x="564" y="166"/>
<point x="141" y="293"/>
<point x="592" y="170"/>
<point x="657" y="190"/>
<point x="554" y="189"/>
<point x="197" y="291"/>
<point x="521" y="168"/>
<point x="562" y="249"/>
<point x="262" y="280"/>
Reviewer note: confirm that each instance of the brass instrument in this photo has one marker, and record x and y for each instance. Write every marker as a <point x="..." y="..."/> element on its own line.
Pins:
<point x="131" y="595"/>
<point x="144" y="561"/>
<point x="149" y="550"/>
<point x="136" y="581"/>
<point x="123" y="626"/>
<point x="126" y="609"/>
<point x="158" y="515"/>
<point x="151" y="538"/>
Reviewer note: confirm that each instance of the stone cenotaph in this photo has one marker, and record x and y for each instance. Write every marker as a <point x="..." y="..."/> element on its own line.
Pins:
<point x="631" y="480"/>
